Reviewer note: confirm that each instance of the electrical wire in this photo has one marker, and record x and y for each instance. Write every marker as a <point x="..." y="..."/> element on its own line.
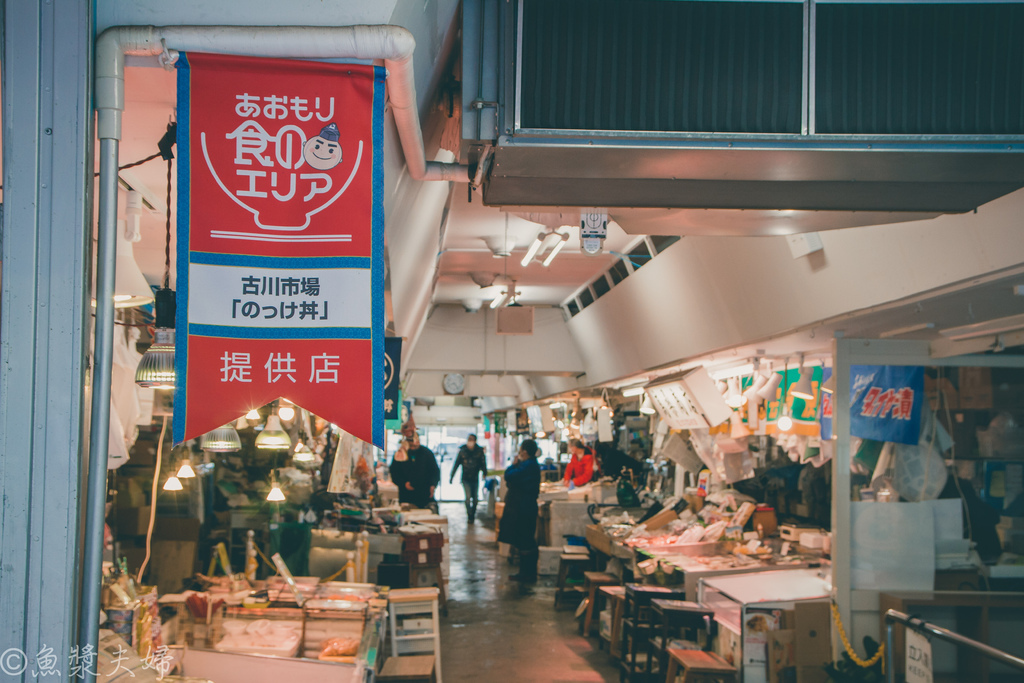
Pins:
<point x="152" y="500"/>
<point x="126" y="166"/>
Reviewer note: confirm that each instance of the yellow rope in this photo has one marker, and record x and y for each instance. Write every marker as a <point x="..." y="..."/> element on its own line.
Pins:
<point x="849" y="648"/>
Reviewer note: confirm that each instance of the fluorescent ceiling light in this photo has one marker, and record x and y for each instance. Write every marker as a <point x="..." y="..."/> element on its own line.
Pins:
<point x="900" y="331"/>
<point x="557" y="248"/>
<point x="534" y="248"/>
<point x="500" y="301"/>
<point x="997" y="326"/>
<point x="632" y="391"/>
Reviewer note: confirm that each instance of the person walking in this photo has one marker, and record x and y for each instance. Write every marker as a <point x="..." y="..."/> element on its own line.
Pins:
<point x="519" y="522"/>
<point x="472" y="460"/>
<point x="415" y="472"/>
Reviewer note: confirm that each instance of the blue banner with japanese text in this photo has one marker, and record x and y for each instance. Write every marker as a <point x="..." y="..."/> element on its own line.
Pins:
<point x="885" y="402"/>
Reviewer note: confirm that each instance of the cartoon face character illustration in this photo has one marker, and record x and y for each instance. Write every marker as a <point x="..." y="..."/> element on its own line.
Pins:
<point x="323" y="152"/>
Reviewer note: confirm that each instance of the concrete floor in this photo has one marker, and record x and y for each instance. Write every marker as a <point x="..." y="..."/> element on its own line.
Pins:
<point x="496" y="631"/>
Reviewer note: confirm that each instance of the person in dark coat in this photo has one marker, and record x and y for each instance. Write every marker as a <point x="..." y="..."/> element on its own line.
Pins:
<point x="415" y="472"/>
<point x="519" y="521"/>
<point x="473" y="463"/>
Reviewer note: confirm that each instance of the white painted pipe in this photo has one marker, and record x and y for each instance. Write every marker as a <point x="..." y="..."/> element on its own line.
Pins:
<point x="393" y="44"/>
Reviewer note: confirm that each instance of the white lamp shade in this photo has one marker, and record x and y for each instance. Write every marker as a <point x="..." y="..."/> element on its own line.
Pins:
<point x="737" y="430"/>
<point x="286" y="412"/>
<point x="803" y="388"/>
<point x="221" y="440"/>
<point x="130" y="285"/>
<point x="172" y="484"/>
<point x="769" y="391"/>
<point x="732" y="395"/>
<point x="785" y="422"/>
<point x="303" y="454"/>
<point x="276" y="495"/>
<point x="186" y="471"/>
<point x="759" y="382"/>
<point x="253" y="415"/>
<point x="646" y="406"/>
<point x="273" y="437"/>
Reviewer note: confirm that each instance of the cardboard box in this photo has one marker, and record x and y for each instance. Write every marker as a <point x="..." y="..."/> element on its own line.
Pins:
<point x="661" y="519"/>
<point x="813" y="635"/>
<point x="781" y="659"/>
<point x="133" y="521"/>
<point x="975" y="388"/>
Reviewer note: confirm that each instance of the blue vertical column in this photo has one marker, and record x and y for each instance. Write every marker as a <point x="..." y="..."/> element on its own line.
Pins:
<point x="44" y="324"/>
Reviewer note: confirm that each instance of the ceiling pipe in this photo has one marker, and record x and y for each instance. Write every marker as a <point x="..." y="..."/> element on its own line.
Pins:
<point x="393" y="44"/>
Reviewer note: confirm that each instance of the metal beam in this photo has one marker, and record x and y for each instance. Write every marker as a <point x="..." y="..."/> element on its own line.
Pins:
<point x="47" y="168"/>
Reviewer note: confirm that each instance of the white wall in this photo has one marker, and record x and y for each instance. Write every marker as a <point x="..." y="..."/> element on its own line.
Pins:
<point x="709" y="293"/>
<point x="456" y="341"/>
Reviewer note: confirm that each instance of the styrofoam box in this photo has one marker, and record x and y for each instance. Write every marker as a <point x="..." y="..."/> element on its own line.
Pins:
<point x="604" y="624"/>
<point x="549" y="559"/>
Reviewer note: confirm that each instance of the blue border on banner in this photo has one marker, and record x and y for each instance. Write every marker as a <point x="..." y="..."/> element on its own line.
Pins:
<point x="377" y="272"/>
<point x="229" y="332"/>
<point x="297" y="262"/>
<point x="181" y="311"/>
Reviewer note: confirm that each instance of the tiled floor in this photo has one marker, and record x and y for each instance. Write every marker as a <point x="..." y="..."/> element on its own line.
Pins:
<point x="495" y="631"/>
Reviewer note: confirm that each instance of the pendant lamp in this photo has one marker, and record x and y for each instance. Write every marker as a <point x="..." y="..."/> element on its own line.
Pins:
<point x="172" y="484"/>
<point x="733" y="397"/>
<point x="221" y="440"/>
<point x="803" y="388"/>
<point x="186" y="471"/>
<point x="273" y="437"/>
<point x="302" y="453"/>
<point x="829" y="387"/>
<point x="286" y="412"/>
<point x="276" y="495"/>
<point x="130" y="286"/>
<point x="646" y="406"/>
<point x="785" y="422"/>
<point x="253" y="415"/>
<point x="771" y="387"/>
<point x="156" y="369"/>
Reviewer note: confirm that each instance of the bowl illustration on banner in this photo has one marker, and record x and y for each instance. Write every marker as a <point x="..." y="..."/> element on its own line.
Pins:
<point x="282" y="176"/>
<point x="323" y="152"/>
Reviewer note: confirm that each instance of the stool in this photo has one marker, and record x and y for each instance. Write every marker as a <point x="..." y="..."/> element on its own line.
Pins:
<point x="592" y="581"/>
<point x="615" y="597"/>
<point x="418" y="669"/>
<point x="416" y="571"/>
<point x="699" y="667"/>
<point x="670" y="617"/>
<point x="566" y="562"/>
<point x="426" y="633"/>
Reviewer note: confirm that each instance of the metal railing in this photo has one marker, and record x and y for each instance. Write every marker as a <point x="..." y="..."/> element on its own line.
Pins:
<point x="892" y="617"/>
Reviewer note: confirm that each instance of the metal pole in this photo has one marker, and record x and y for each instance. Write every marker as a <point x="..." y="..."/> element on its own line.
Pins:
<point x="953" y="637"/>
<point x="99" y="428"/>
<point x="890" y="675"/>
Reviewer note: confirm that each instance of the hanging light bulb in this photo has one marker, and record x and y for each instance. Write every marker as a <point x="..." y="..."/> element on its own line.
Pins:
<point x="276" y="495"/>
<point x="186" y="471"/>
<point x="302" y="453"/>
<point x="646" y="406"/>
<point x="733" y="397"/>
<point x="221" y="440"/>
<point x="803" y="388"/>
<point x="286" y="412"/>
<point x="172" y="484"/>
<point x="273" y="437"/>
<point x="785" y="422"/>
<point x="156" y="369"/>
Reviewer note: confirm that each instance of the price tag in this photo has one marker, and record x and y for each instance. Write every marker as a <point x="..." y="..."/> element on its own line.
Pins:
<point x="919" y="658"/>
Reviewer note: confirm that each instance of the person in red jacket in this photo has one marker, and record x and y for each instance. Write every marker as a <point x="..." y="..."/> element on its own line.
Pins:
<point x="580" y="469"/>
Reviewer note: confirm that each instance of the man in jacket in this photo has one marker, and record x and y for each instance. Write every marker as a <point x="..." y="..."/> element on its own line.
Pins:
<point x="519" y="522"/>
<point x="415" y="472"/>
<point x="473" y="463"/>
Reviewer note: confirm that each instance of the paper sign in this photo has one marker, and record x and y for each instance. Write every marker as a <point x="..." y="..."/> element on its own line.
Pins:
<point x="392" y="377"/>
<point x="885" y="402"/>
<point x="919" y="658"/>
<point x="280" y="241"/>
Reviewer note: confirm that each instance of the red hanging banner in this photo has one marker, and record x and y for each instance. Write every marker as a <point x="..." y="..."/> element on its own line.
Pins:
<point x="280" y="286"/>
